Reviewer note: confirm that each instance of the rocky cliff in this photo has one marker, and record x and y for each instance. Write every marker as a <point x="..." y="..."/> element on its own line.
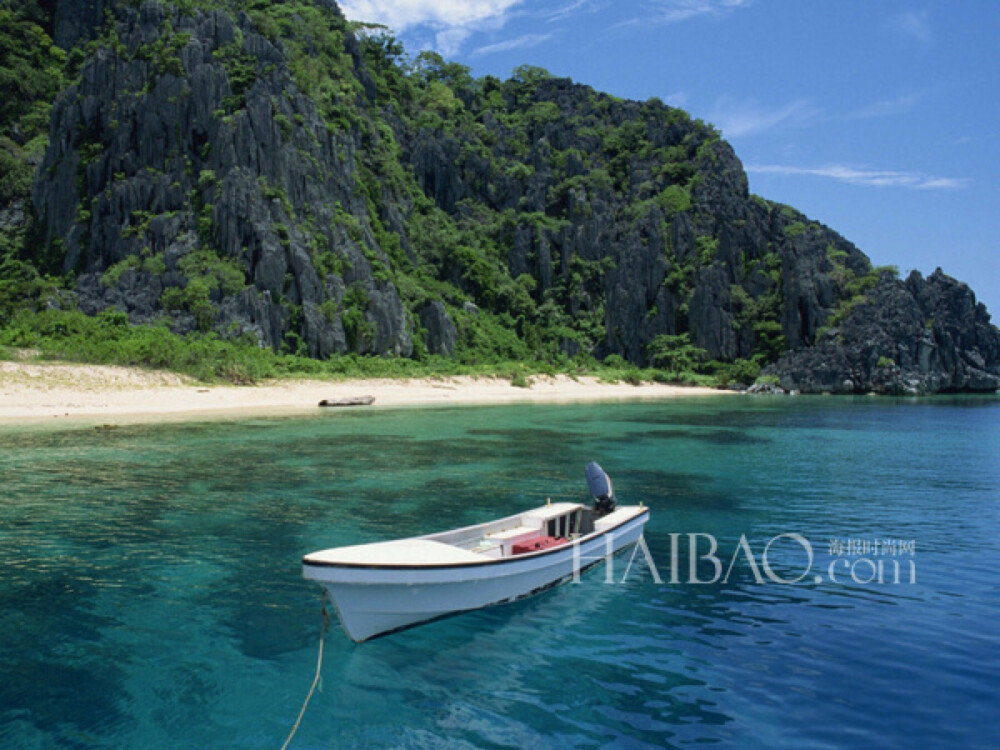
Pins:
<point x="270" y="170"/>
<point x="187" y="174"/>
<point x="914" y="337"/>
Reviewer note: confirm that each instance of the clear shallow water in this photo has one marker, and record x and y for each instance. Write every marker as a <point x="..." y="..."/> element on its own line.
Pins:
<point x="151" y="592"/>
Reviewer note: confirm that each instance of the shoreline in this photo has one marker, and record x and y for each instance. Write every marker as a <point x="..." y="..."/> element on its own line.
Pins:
<point x="34" y="393"/>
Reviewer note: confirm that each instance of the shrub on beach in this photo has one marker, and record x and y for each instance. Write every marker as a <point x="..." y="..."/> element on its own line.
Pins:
<point x="108" y="338"/>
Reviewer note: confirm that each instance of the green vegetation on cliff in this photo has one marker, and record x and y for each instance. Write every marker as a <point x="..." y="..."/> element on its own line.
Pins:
<point x="31" y="75"/>
<point x="263" y="182"/>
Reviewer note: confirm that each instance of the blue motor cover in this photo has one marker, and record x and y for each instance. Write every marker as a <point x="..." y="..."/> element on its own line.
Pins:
<point x="599" y="482"/>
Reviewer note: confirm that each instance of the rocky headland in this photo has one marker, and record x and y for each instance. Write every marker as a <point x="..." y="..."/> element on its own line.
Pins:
<point x="272" y="171"/>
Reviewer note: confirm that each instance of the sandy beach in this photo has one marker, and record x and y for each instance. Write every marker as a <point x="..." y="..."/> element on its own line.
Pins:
<point x="43" y="391"/>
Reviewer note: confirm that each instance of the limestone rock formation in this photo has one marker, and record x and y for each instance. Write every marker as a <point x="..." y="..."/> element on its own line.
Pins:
<point x="270" y="171"/>
<point x="915" y="337"/>
<point x="187" y="153"/>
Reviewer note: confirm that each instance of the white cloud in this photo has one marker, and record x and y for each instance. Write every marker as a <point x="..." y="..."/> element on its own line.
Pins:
<point x="886" y="108"/>
<point x="674" y="11"/>
<point x="677" y="99"/>
<point x="447" y="25"/>
<point x="399" y="15"/>
<point x="736" y="119"/>
<point x="914" y="24"/>
<point x="865" y="176"/>
<point x="449" y="41"/>
<point x="522" y="42"/>
<point x="557" y="14"/>
<point x="662" y="12"/>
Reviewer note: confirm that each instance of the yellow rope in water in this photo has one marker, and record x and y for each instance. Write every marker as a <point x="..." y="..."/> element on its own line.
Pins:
<point x="316" y="679"/>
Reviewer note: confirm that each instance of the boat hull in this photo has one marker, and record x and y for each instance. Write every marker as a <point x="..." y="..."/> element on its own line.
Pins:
<point x="373" y="600"/>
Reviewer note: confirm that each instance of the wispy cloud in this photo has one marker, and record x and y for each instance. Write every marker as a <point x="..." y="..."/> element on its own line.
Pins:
<point x="677" y="99"/>
<point x="886" y="108"/>
<point x="741" y="118"/>
<point x="865" y="176"/>
<point x="674" y="11"/>
<point x="449" y="23"/>
<point x="450" y="40"/>
<point x="402" y="14"/>
<point x="573" y="8"/>
<point x="663" y="12"/>
<point x="522" y="42"/>
<point x="914" y="24"/>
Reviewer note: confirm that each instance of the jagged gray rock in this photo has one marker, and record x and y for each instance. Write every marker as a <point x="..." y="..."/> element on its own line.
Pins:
<point x="441" y="332"/>
<point x="78" y="20"/>
<point x="206" y="188"/>
<point x="155" y="163"/>
<point x="920" y="336"/>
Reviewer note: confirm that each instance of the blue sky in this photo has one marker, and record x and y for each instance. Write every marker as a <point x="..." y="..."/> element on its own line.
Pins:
<point x="879" y="119"/>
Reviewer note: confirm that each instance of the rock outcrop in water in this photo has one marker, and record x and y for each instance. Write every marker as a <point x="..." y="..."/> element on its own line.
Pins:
<point x="914" y="337"/>
<point x="272" y="171"/>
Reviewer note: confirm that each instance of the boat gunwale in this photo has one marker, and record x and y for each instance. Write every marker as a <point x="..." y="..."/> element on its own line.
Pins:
<point x="643" y="511"/>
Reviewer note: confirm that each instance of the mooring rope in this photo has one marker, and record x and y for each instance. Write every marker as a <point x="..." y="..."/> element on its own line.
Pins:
<point x="316" y="679"/>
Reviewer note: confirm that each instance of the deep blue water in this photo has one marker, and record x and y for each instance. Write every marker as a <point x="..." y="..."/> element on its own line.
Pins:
<point x="151" y="593"/>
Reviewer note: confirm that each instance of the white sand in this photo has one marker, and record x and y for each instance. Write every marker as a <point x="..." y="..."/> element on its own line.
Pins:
<point x="34" y="392"/>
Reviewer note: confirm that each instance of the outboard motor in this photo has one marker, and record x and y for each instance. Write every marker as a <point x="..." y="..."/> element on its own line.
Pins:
<point x="600" y="487"/>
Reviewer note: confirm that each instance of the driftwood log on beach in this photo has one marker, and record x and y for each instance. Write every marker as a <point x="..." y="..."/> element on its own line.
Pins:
<point x="350" y="401"/>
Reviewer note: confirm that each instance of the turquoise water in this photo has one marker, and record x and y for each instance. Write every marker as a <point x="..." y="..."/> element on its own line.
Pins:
<point x="151" y="593"/>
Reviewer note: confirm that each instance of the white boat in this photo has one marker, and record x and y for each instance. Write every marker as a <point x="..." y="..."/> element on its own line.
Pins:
<point x="383" y="587"/>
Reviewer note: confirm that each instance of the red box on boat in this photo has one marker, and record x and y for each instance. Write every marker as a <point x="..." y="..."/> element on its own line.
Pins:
<point x="533" y="545"/>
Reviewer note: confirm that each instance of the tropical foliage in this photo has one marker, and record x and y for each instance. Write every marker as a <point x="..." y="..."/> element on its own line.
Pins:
<point x="536" y="166"/>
